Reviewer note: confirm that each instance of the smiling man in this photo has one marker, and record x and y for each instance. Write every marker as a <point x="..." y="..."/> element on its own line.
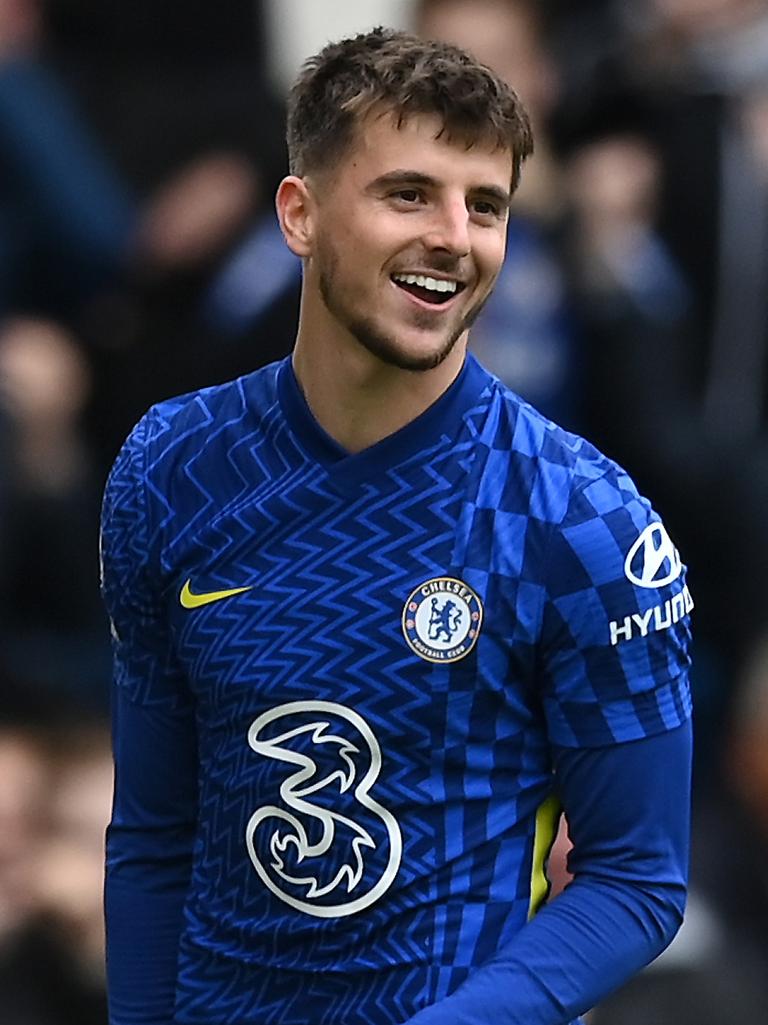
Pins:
<point x="376" y="621"/>
<point x="434" y="231"/>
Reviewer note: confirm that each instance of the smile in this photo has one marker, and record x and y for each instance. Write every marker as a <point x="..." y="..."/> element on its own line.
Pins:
<point x="435" y="291"/>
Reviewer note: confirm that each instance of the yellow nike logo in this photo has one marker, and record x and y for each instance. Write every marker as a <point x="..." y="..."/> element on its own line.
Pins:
<point x="194" y="601"/>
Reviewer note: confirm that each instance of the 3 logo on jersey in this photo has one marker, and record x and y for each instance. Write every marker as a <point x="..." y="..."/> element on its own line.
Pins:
<point x="441" y="619"/>
<point x="315" y="847"/>
<point x="325" y="846"/>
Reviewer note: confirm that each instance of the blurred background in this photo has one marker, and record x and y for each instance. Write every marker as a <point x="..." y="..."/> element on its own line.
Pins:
<point x="140" y="147"/>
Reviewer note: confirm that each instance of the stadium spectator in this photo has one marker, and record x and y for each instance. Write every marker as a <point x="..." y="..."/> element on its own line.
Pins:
<point x="110" y="220"/>
<point x="54" y="802"/>
<point x="51" y="621"/>
<point x="24" y="823"/>
<point x="65" y="219"/>
<point x="71" y="867"/>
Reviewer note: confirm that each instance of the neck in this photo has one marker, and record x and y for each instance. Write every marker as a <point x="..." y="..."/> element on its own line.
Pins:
<point x="355" y="397"/>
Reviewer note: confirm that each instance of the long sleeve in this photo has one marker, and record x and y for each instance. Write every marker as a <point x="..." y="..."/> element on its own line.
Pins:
<point x="628" y="812"/>
<point x="149" y="846"/>
<point x="151" y="835"/>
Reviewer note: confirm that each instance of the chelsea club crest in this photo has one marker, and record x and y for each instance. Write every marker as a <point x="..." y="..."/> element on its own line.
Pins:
<point x="441" y="619"/>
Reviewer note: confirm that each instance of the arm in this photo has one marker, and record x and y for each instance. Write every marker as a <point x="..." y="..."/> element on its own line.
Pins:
<point x="149" y="855"/>
<point x="150" y="837"/>
<point x="628" y="813"/>
<point x="613" y="683"/>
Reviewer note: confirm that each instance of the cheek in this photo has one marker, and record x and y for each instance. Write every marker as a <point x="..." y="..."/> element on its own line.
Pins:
<point x="490" y="256"/>
<point x="355" y="246"/>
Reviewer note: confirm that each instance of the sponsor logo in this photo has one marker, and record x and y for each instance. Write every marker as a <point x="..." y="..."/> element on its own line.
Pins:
<point x="653" y="561"/>
<point x="194" y="601"/>
<point x="660" y="617"/>
<point x="313" y="846"/>
<point x="441" y="619"/>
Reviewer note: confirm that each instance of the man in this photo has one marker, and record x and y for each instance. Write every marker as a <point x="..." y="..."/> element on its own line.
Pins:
<point x="374" y="618"/>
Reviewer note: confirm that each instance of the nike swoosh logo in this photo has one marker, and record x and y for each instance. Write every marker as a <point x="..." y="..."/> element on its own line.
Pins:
<point x="194" y="601"/>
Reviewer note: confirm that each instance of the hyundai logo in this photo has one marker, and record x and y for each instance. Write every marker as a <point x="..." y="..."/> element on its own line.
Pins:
<point x="653" y="560"/>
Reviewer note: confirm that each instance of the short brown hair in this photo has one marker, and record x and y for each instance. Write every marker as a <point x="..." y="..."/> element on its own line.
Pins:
<point x="399" y="72"/>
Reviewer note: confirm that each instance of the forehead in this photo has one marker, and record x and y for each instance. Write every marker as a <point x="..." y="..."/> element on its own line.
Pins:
<point x="420" y="143"/>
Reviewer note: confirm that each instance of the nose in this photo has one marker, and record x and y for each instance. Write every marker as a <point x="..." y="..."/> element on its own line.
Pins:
<point x="449" y="229"/>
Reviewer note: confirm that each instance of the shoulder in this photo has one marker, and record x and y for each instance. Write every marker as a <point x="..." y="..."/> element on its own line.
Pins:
<point x="191" y="423"/>
<point x="168" y="464"/>
<point x="613" y="627"/>
<point x="220" y="405"/>
<point x="560" y="476"/>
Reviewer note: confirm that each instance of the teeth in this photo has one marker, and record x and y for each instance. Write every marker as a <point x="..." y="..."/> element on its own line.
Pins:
<point x="433" y="284"/>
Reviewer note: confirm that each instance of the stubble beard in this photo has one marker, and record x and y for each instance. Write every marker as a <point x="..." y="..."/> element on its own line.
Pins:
<point x="384" y="347"/>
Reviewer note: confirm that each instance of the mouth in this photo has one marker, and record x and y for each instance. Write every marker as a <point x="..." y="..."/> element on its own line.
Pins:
<point x="427" y="289"/>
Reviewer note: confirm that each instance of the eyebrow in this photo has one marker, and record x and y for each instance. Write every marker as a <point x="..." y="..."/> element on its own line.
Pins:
<point x="402" y="176"/>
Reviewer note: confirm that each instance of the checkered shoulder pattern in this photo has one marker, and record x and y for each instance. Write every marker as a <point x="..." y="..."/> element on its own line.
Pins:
<point x="611" y="625"/>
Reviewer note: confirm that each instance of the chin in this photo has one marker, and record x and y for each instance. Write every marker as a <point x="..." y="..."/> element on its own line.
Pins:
<point x="419" y="357"/>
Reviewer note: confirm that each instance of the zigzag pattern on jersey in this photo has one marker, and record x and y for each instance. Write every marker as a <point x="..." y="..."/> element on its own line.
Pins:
<point x="322" y="622"/>
<point x="382" y="997"/>
<point x="144" y="666"/>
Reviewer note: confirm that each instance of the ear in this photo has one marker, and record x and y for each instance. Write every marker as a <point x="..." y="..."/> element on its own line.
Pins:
<point x="295" y="207"/>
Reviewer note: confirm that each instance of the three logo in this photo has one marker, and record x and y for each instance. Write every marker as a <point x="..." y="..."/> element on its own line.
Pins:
<point x="313" y="850"/>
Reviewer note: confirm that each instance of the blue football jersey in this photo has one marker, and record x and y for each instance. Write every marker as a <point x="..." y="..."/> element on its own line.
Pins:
<point x="375" y="655"/>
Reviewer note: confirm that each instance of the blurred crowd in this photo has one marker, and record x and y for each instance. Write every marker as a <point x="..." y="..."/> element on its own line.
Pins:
<point x="140" y="146"/>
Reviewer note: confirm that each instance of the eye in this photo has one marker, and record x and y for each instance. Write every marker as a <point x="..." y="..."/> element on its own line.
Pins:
<point x="487" y="208"/>
<point x="408" y="197"/>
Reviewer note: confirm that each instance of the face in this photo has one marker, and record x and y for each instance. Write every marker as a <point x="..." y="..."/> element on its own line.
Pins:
<point x="504" y="36"/>
<point x="408" y="238"/>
